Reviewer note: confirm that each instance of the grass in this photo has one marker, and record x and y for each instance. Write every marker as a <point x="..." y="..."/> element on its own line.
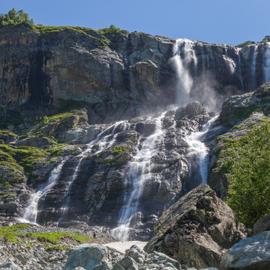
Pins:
<point x="51" y="240"/>
<point x="23" y="156"/>
<point x="43" y="29"/>
<point x="57" y="237"/>
<point x="51" y="119"/>
<point x="12" y="234"/>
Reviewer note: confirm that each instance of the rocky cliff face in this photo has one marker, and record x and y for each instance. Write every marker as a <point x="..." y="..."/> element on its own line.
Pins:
<point x="113" y="73"/>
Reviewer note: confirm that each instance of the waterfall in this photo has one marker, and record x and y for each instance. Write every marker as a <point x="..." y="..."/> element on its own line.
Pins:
<point x="238" y="50"/>
<point x="267" y="63"/>
<point x="102" y="142"/>
<point x="31" y="211"/>
<point x="254" y="67"/>
<point x="181" y="66"/>
<point x="139" y="171"/>
<point x="198" y="149"/>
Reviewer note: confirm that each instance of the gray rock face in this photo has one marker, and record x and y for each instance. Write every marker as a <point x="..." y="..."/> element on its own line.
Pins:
<point x="251" y="253"/>
<point x="113" y="74"/>
<point x="95" y="191"/>
<point x="197" y="229"/>
<point x="94" y="256"/>
<point x="237" y="108"/>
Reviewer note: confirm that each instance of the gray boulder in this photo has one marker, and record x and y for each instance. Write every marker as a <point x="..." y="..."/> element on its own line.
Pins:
<point x="196" y="230"/>
<point x="252" y="253"/>
<point x="98" y="257"/>
<point x="90" y="257"/>
<point x="263" y="224"/>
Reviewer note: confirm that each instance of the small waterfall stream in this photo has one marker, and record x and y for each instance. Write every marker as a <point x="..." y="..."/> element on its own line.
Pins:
<point x="103" y="141"/>
<point x="199" y="150"/>
<point x="254" y="67"/>
<point x="139" y="171"/>
<point x="267" y="63"/>
<point x="31" y="211"/>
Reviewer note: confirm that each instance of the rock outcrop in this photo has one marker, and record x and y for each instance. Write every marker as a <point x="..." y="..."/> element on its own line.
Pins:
<point x="111" y="72"/>
<point x="92" y="184"/>
<point x="197" y="229"/>
<point x="239" y="115"/>
<point x="251" y="253"/>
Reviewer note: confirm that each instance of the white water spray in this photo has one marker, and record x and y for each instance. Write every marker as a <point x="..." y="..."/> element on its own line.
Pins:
<point x="267" y="63"/>
<point x="101" y="142"/>
<point x="199" y="150"/>
<point x="31" y="211"/>
<point x="254" y="67"/>
<point x="181" y="66"/>
<point x="139" y="172"/>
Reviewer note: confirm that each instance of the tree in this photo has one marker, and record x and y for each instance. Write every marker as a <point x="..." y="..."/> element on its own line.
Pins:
<point x="14" y="17"/>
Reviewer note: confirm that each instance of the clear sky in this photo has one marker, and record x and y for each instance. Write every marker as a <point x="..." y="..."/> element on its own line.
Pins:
<point x="219" y="21"/>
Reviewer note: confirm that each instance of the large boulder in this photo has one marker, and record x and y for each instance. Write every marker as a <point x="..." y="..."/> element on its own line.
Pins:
<point x="197" y="229"/>
<point x="90" y="257"/>
<point x="262" y="224"/>
<point x="252" y="253"/>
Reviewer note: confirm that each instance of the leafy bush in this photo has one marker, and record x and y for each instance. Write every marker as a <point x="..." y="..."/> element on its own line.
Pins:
<point x="14" y="17"/>
<point x="246" y="162"/>
<point x="109" y="30"/>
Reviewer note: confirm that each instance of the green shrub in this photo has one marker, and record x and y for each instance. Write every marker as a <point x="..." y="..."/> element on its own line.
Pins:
<point x="14" y="17"/>
<point x="109" y="30"/>
<point x="246" y="162"/>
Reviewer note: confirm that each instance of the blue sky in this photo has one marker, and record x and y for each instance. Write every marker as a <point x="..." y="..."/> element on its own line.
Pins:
<point x="220" y="21"/>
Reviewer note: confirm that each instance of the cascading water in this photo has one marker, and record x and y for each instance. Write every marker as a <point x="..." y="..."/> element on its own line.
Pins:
<point x="267" y="63"/>
<point x="254" y="67"/>
<point x="139" y="171"/>
<point x="139" y="168"/>
<point x="31" y="211"/>
<point x="103" y="141"/>
<point x="199" y="150"/>
<point x="181" y="66"/>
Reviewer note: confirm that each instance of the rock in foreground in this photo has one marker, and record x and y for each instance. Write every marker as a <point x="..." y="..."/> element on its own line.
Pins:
<point x="197" y="229"/>
<point x="252" y="253"/>
<point x="93" y="256"/>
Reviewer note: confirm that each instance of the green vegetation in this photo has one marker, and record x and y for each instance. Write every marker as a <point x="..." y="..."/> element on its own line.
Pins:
<point x="13" y="233"/>
<point x="52" y="119"/>
<point x="52" y="240"/>
<point x="245" y="160"/>
<point x="43" y="29"/>
<point x="7" y="133"/>
<point x="109" y="30"/>
<point x="25" y="156"/>
<point x="119" y="150"/>
<point x="57" y="237"/>
<point x="246" y="43"/>
<point x="14" y="17"/>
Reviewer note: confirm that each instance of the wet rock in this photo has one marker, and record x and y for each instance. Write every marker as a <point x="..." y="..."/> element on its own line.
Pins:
<point x="197" y="229"/>
<point x="251" y="253"/>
